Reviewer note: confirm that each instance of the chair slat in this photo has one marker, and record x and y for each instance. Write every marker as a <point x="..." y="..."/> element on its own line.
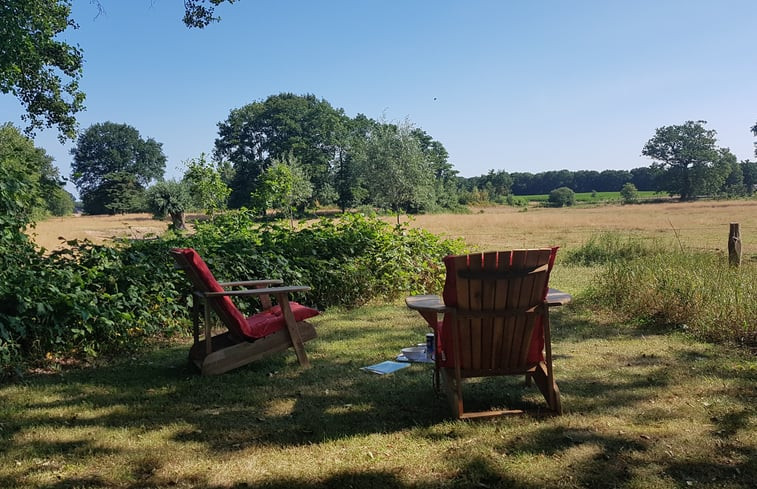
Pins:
<point x="488" y="296"/>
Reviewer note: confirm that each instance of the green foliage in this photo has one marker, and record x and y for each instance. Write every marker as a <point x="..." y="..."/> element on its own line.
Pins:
<point x="347" y="262"/>
<point x="206" y="185"/>
<point x="89" y="300"/>
<point x="258" y="133"/>
<point x="197" y="14"/>
<point x="697" y="292"/>
<point x="169" y="198"/>
<point x="283" y="187"/>
<point x="398" y="176"/>
<point x="562" y="197"/>
<point x="113" y="165"/>
<point x="86" y="300"/>
<point x="42" y="72"/>
<point x="691" y="162"/>
<point x="629" y="193"/>
<point x="60" y="202"/>
<point x="29" y="174"/>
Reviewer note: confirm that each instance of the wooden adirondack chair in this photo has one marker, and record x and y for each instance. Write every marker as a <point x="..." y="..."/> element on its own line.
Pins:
<point x="496" y="322"/>
<point x="246" y="340"/>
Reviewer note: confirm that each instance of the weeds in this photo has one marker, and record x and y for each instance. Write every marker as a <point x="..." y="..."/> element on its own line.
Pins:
<point x="694" y="291"/>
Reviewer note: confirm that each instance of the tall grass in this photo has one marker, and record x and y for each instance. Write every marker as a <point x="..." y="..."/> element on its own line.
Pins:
<point x="692" y="290"/>
<point x="610" y="247"/>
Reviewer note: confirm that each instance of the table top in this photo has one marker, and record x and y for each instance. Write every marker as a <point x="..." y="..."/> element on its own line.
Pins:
<point x="434" y="303"/>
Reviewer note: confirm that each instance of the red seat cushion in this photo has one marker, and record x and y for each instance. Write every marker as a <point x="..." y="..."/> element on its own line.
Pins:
<point x="271" y="320"/>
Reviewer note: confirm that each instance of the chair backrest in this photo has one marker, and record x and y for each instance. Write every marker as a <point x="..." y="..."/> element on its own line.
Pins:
<point x="203" y="281"/>
<point x="499" y="301"/>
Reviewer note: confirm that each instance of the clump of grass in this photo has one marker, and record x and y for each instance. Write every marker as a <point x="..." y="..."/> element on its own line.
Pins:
<point x="695" y="291"/>
<point x="611" y="247"/>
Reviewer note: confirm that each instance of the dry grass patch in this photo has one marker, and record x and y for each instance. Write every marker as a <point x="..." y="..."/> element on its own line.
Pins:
<point x="701" y="225"/>
<point x="51" y="233"/>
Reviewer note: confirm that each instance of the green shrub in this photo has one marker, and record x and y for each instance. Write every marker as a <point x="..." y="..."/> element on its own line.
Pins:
<point x="629" y="193"/>
<point x="89" y="300"/>
<point x="562" y="197"/>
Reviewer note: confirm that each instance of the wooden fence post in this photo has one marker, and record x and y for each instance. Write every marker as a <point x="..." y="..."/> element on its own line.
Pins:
<point x="734" y="245"/>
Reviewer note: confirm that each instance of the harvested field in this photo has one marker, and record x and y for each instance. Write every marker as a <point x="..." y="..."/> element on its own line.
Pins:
<point x="700" y="225"/>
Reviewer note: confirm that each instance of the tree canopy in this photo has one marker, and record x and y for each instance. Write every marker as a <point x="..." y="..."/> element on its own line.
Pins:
<point x="31" y="184"/>
<point x="41" y="71"/>
<point x="688" y="155"/>
<point x="113" y="164"/>
<point x="254" y="135"/>
<point x="398" y="175"/>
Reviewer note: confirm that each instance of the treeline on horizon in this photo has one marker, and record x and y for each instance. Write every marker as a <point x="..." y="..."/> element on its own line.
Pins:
<point x="501" y="183"/>
<point x="290" y="153"/>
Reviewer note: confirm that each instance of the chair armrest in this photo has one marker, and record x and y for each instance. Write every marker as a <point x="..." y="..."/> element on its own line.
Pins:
<point x="252" y="283"/>
<point x="261" y="291"/>
<point x="426" y="303"/>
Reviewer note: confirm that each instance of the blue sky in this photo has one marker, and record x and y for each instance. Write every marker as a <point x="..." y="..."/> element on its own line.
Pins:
<point x="506" y="85"/>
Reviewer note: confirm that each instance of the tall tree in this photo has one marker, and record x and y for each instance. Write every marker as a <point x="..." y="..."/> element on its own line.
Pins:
<point x="398" y="176"/>
<point x="169" y="198"/>
<point x="38" y="176"/>
<point x="749" y="172"/>
<point x="256" y="134"/>
<point x="283" y="187"/>
<point x="689" y="157"/>
<point x="111" y="161"/>
<point x="38" y="69"/>
<point x="206" y="185"/>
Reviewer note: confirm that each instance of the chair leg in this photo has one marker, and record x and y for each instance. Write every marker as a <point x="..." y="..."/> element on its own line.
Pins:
<point x="549" y="390"/>
<point x="453" y="389"/>
<point x="294" y="334"/>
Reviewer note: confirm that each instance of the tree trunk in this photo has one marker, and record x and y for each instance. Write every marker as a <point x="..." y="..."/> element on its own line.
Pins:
<point x="178" y="222"/>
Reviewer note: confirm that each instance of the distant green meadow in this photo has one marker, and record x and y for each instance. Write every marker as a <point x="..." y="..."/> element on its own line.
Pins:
<point x="597" y="197"/>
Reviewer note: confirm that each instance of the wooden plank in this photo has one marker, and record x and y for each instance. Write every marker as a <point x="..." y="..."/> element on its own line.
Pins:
<point x="488" y="294"/>
<point x="499" y="302"/>
<point x="291" y="327"/>
<point x="517" y="299"/>
<point x="475" y="289"/>
<point x="533" y="290"/>
<point x="504" y="300"/>
<point x="464" y="325"/>
<point x="237" y="355"/>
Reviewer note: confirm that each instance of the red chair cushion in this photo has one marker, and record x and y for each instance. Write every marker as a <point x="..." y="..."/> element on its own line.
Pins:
<point x="271" y="320"/>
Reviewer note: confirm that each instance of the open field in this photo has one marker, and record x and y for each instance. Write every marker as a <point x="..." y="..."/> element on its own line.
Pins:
<point x="643" y="408"/>
<point x="98" y="229"/>
<point x="700" y="225"/>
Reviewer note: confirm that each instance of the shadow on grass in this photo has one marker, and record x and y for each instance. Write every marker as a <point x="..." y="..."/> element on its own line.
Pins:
<point x="476" y="473"/>
<point x="274" y="403"/>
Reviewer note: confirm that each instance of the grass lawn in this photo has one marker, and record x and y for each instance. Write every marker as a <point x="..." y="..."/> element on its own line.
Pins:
<point x="642" y="410"/>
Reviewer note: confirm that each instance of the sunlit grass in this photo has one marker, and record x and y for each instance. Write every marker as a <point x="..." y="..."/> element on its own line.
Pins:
<point x="642" y="410"/>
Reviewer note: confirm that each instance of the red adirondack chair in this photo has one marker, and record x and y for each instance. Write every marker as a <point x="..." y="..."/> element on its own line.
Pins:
<point x="246" y="339"/>
<point x="496" y="322"/>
